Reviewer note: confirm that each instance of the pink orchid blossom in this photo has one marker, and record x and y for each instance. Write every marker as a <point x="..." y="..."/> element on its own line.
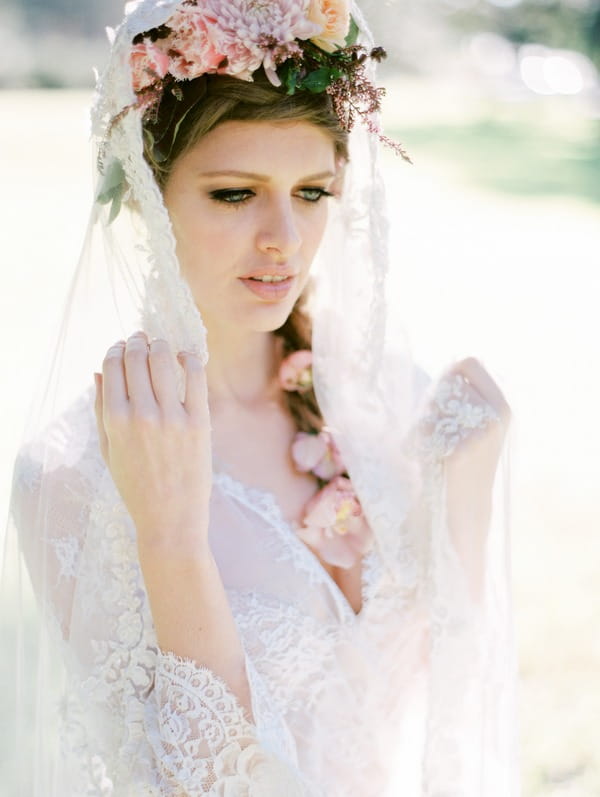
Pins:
<point x="318" y="454"/>
<point x="295" y="372"/>
<point x="148" y="64"/>
<point x="334" y="524"/>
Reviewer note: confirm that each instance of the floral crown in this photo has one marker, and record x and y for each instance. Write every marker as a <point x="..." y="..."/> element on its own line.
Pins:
<point x="301" y="45"/>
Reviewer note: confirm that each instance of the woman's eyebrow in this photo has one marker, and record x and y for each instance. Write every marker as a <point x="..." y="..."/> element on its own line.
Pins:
<point x="262" y="178"/>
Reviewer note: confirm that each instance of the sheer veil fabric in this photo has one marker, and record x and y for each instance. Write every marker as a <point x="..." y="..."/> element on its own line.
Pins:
<point x="412" y="696"/>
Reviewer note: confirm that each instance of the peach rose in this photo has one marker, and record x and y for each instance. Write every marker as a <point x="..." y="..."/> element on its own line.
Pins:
<point x="148" y="64"/>
<point x="334" y="18"/>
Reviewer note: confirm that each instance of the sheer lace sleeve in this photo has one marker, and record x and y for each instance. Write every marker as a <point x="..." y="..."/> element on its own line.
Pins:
<point x="134" y="719"/>
<point x="201" y="737"/>
<point x="437" y="601"/>
<point x="466" y="582"/>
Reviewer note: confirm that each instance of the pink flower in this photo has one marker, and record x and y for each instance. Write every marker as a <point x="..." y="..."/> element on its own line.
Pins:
<point x="244" y="31"/>
<point x="191" y="45"/>
<point x="333" y="17"/>
<point x="295" y="372"/>
<point x="317" y="453"/>
<point x="334" y="524"/>
<point x="148" y="64"/>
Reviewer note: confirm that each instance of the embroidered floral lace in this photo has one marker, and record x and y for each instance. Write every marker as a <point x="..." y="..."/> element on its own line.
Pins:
<point x="336" y="696"/>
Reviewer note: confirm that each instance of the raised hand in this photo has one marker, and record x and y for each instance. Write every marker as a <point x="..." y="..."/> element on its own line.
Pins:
<point x="464" y="429"/>
<point x="480" y="445"/>
<point x="156" y="446"/>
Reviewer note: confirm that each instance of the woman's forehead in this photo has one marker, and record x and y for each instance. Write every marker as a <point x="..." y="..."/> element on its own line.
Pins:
<point x="263" y="148"/>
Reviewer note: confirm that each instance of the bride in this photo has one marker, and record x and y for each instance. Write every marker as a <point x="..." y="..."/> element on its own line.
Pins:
<point x="271" y="571"/>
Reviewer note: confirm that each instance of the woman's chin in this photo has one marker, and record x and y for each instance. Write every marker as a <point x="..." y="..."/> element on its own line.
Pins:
<point x="272" y="319"/>
<point x="265" y="318"/>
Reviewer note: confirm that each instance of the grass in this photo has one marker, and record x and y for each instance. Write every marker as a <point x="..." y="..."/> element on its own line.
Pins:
<point x="521" y="190"/>
<point x="518" y="157"/>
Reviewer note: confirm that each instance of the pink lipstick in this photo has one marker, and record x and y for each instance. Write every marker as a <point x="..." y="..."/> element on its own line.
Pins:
<point x="269" y="289"/>
<point x="270" y="282"/>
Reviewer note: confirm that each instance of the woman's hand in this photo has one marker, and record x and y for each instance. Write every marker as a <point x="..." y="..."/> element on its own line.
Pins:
<point x="157" y="448"/>
<point x="479" y="420"/>
<point x="479" y="450"/>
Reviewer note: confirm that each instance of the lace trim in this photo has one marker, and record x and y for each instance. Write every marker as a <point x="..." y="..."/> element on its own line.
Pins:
<point x="203" y="699"/>
<point x="293" y="549"/>
<point x="207" y="744"/>
<point x="451" y="418"/>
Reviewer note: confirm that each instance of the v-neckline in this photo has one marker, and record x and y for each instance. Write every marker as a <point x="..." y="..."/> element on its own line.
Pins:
<point x="264" y="503"/>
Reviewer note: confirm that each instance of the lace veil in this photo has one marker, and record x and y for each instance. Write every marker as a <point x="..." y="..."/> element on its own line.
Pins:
<point x="394" y="427"/>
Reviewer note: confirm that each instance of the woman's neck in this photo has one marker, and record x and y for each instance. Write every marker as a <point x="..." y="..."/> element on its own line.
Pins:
<point x="242" y="368"/>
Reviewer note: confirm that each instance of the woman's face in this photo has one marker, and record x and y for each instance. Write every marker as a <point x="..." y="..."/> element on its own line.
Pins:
<point x="248" y="204"/>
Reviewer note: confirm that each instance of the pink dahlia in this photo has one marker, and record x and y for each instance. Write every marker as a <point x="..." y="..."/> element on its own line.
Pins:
<point x="246" y="31"/>
<point x="318" y="454"/>
<point x="334" y="524"/>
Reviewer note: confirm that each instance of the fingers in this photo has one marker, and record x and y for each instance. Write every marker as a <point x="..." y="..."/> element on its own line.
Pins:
<point x="196" y="393"/>
<point x="141" y="376"/>
<point x="137" y="372"/>
<point x="114" y="385"/>
<point x="477" y="376"/>
<point x="98" y="408"/>
<point x="162" y="374"/>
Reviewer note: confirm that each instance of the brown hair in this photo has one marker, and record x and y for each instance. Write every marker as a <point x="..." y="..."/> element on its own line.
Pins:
<point x="221" y="99"/>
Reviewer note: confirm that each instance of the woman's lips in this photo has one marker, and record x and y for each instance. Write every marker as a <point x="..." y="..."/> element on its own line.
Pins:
<point x="270" y="291"/>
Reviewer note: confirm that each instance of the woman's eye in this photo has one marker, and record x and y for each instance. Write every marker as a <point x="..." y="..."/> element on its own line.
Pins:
<point x="313" y="194"/>
<point x="232" y="196"/>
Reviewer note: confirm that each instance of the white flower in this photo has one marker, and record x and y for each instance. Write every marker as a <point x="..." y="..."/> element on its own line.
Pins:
<point x="251" y="772"/>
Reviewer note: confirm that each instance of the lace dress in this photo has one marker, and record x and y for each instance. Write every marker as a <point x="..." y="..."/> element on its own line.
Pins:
<point x="338" y="698"/>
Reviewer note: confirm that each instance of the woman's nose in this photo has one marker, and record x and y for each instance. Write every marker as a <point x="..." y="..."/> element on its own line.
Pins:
<point x="279" y="233"/>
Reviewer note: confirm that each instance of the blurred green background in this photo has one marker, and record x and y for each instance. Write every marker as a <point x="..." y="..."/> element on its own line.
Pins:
<point x="496" y="253"/>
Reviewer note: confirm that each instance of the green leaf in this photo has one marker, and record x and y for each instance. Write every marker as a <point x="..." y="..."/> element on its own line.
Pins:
<point x="112" y="180"/>
<point x="318" y="80"/>
<point x="352" y="33"/>
<point x="288" y="74"/>
<point x="112" y="188"/>
<point x="115" y="207"/>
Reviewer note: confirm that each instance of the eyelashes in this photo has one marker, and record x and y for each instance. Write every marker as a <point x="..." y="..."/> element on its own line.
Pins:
<point x="231" y="196"/>
<point x="314" y="194"/>
<point x="237" y="196"/>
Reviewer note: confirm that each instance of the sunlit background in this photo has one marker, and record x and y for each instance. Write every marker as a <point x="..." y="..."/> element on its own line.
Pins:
<point x="496" y="253"/>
